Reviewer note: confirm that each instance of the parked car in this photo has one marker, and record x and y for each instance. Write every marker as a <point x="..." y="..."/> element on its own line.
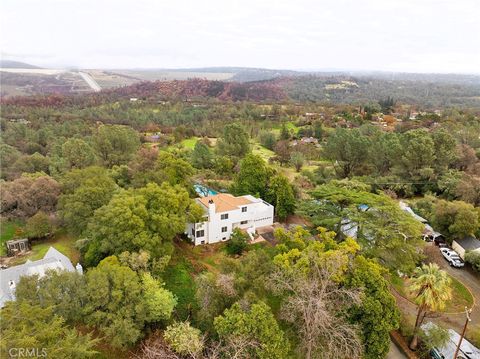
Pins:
<point x="452" y="257"/>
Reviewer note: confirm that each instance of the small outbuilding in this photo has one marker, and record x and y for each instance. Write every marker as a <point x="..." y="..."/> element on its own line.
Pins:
<point x="461" y="246"/>
<point x="15" y="246"/>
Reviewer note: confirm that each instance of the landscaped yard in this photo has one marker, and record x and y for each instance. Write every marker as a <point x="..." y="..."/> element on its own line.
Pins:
<point x="461" y="295"/>
<point x="61" y="241"/>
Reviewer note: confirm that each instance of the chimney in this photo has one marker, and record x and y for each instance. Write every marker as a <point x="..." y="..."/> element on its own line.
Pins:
<point x="79" y="268"/>
<point x="211" y="209"/>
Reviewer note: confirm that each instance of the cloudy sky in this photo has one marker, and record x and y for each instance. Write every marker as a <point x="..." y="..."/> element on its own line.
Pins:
<point x="392" y="35"/>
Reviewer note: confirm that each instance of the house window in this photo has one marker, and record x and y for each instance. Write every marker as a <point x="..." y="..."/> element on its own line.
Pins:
<point x="243" y="222"/>
<point x="244" y="209"/>
<point x="224" y="229"/>
<point x="200" y="233"/>
<point x="224" y="216"/>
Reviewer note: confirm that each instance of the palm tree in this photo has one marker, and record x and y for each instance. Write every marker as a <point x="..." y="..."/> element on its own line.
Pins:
<point x="431" y="288"/>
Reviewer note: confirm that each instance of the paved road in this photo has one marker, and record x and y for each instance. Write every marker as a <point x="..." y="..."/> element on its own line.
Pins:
<point x="90" y="81"/>
<point x="395" y="352"/>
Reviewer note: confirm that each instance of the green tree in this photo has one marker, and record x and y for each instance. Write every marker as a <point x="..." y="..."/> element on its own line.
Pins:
<point x="267" y="139"/>
<point x="377" y="314"/>
<point x="74" y="153"/>
<point x="115" y="302"/>
<point x="85" y="191"/>
<point x="383" y="230"/>
<point x="147" y="218"/>
<point x="39" y="225"/>
<point x="473" y="258"/>
<point x="257" y="325"/>
<point x="184" y="339"/>
<point x="445" y="149"/>
<point x="418" y="155"/>
<point x="280" y="195"/>
<point x="32" y="327"/>
<point x="431" y="287"/>
<point x="318" y="130"/>
<point x="297" y="159"/>
<point x="234" y="141"/>
<point x="159" y="301"/>
<point x="455" y="219"/>
<point x="348" y="150"/>
<point x="62" y="291"/>
<point x="252" y="177"/>
<point x="32" y="163"/>
<point x="115" y="144"/>
<point x="284" y="133"/>
<point x="385" y="151"/>
<point x="201" y="156"/>
<point x="174" y="170"/>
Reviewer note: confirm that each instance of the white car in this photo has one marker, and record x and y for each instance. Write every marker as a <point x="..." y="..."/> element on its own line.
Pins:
<point x="452" y="257"/>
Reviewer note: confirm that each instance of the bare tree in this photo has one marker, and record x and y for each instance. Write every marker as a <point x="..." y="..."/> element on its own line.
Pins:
<point x="315" y="305"/>
<point x="238" y="347"/>
<point x="155" y="348"/>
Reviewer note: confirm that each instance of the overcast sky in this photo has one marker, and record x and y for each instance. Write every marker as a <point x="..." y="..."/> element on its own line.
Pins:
<point x="392" y="35"/>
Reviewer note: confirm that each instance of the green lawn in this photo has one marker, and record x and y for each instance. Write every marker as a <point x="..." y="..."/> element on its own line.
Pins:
<point x="7" y="232"/>
<point x="178" y="278"/>
<point x="461" y="295"/>
<point x="61" y="241"/>
<point x="189" y="142"/>
<point x="263" y="152"/>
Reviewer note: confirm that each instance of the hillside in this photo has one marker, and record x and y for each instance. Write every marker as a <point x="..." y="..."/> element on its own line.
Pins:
<point x="10" y="64"/>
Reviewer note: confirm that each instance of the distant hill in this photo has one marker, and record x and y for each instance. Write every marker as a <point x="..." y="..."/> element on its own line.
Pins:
<point x="10" y="64"/>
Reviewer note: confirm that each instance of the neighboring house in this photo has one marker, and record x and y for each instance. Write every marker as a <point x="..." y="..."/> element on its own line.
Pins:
<point x="466" y="244"/>
<point x="224" y="213"/>
<point x="9" y="278"/>
<point x="467" y="349"/>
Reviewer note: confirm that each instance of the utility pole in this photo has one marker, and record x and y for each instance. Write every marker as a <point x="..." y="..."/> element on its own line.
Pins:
<point x="467" y="313"/>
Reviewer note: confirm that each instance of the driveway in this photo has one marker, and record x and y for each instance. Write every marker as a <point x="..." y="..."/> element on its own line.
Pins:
<point x="465" y="275"/>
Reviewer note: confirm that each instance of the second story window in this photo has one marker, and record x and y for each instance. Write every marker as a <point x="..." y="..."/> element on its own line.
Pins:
<point x="224" y="216"/>
<point x="244" y="209"/>
<point x="224" y="229"/>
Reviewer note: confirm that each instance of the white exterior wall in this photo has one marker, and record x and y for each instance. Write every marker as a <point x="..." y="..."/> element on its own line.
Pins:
<point x="459" y="249"/>
<point x="258" y="214"/>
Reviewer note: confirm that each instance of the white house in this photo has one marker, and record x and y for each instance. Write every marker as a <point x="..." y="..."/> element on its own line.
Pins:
<point x="53" y="260"/>
<point x="224" y="213"/>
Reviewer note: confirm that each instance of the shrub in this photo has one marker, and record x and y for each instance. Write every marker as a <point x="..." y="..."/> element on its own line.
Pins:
<point x="474" y="259"/>
<point x="184" y="339"/>
<point x="237" y="243"/>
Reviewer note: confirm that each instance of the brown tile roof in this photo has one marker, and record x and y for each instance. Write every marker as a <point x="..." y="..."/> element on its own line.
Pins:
<point x="224" y="202"/>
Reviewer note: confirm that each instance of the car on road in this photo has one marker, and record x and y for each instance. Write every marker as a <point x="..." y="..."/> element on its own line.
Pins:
<point x="452" y="257"/>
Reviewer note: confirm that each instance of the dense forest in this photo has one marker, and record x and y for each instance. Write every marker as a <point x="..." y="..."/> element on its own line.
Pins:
<point x="108" y="179"/>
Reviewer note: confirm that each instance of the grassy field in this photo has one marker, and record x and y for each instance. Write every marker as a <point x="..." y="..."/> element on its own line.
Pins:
<point x="461" y="295"/>
<point x="189" y="142"/>
<point x="7" y="232"/>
